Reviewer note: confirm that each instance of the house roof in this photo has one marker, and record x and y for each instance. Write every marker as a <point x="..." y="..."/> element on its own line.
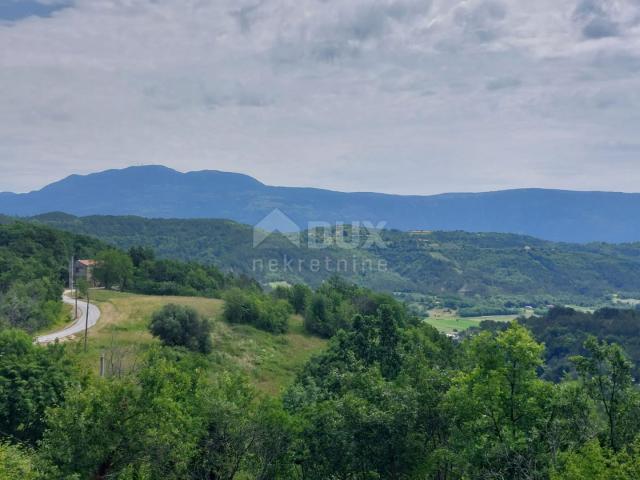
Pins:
<point x="87" y="263"/>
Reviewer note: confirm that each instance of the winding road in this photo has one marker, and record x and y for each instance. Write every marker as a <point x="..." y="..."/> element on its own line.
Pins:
<point x="77" y="326"/>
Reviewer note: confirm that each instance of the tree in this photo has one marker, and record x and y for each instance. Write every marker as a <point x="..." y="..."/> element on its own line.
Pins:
<point x="606" y="374"/>
<point x="368" y="431"/>
<point x="32" y="379"/>
<point x="141" y="254"/>
<point x="27" y="305"/>
<point x="300" y="295"/>
<point x="388" y="355"/>
<point x="113" y="268"/>
<point x="16" y="463"/>
<point x="177" y="325"/>
<point x="498" y="401"/>
<point x="262" y="311"/>
<point x="141" y="426"/>
<point x="241" y="307"/>
<point x="594" y="462"/>
<point x="83" y="287"/>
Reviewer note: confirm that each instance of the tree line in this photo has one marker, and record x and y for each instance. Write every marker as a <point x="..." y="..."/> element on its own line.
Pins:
<point x="389" y="398"/>
<point x="34" y="270"/>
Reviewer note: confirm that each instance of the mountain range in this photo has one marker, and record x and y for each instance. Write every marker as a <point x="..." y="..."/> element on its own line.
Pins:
<point x="160" y="192"/>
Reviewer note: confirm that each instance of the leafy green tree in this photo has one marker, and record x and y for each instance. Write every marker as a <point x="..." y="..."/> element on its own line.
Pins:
<point x="593" y="462"/>
<point x="27" y="305"/>
<point x="499" y="402"/>
<point x="177" y="325"/>
<point x="141" y="254"/>
<point x="388" y="355"/>
<point x="142" y="426"/>
<point x="241" y="307"/>
<point x="300" y="295"/>
<point x="606" y="374"/>
<point x="113" y="268"/>
<point x="273" y="449"/>
<point x="83" y="287"/>
<point x="274" y="315"/>
<point x="32" y="379"/>
<point x="16" y="463"/>
<point x="368" y="431"/>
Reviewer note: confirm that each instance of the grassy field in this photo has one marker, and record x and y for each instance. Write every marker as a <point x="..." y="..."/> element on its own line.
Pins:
<point x="450" y="323"/>
<point x="270" y="361"/>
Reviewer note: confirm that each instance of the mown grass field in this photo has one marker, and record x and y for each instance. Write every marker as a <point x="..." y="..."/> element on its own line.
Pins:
<point x="453" y="324"/>
<point x="270" y="361"/>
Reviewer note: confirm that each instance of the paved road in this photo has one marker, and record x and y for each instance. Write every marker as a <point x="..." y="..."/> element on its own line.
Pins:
<point x="76" y="327"/>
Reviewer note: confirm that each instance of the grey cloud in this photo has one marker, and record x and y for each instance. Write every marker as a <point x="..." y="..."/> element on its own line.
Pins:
<point x="348" y="94"/>
<point x="247" y="15"/>
<point x="349" y="30"/>
<point x="600" y="27"/>
<point x="595" y="19"/>
<point x="503" y="83"/>
<point x="482" y="20"/>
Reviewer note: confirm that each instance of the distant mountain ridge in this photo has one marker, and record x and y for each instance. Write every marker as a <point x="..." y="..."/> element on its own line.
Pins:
<point x="160" y="192"/>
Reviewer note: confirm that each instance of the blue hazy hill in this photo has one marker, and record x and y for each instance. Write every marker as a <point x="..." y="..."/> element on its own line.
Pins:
<point x="160" y="192"/>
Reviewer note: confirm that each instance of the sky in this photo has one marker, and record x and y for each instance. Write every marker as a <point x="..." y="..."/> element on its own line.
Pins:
<point x="398" y="96"/>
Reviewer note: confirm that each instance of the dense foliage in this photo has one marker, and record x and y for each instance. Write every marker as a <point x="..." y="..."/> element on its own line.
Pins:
<point x="177" y="325"/>
<point x="34" y="266"/>
<point x="32" y="379"/>
<point x="34" y="262"/>
<point x="383" y="401"/>
<point x="564" y="332"/>
<point x="254" y="308"/>
<point x="333" y="306"/>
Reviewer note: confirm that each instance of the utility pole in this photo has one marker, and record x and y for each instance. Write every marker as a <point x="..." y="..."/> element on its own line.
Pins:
<point x="71" y="271"/>
<point x="102" y="364"/>
<point x="72" y="282"/>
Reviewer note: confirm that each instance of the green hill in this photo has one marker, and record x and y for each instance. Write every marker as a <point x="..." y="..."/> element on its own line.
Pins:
<point x="470" y="267"/>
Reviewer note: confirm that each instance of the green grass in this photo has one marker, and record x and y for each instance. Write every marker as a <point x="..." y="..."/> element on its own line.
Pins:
<point x="270" y="361"/>
<point x="454" y="324"/>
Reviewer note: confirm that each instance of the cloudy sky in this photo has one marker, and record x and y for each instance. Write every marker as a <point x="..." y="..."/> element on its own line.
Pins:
<point x="404" y="96"/>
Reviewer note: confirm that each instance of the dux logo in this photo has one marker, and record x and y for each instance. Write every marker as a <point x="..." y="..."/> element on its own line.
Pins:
<point x="278" y="222"/>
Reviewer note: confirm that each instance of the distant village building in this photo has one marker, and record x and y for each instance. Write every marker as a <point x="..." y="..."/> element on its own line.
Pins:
<point x="83" y="270"/>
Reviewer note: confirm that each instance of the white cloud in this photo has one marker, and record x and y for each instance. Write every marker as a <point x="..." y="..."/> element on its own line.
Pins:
<point x="408" y="96"/>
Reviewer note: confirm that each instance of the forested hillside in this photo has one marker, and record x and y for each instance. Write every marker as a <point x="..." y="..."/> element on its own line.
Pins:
<point x="34" y="265"/>
<point x="564" y="332"/>
<point x="471" y="266"/>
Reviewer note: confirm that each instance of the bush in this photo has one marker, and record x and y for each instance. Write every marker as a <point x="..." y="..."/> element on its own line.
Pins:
<point x="16" y="463"/>
<point x="182" y="326"/>
<point x="32" y="378"/>
<point x="274" y="316"/>
<point x="261" y="311"/>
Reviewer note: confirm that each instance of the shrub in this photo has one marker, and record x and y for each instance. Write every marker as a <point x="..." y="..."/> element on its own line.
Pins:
<point x="274" y="315"/>
<point x="177" y="325"/>
<point x="261" y="311"/>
